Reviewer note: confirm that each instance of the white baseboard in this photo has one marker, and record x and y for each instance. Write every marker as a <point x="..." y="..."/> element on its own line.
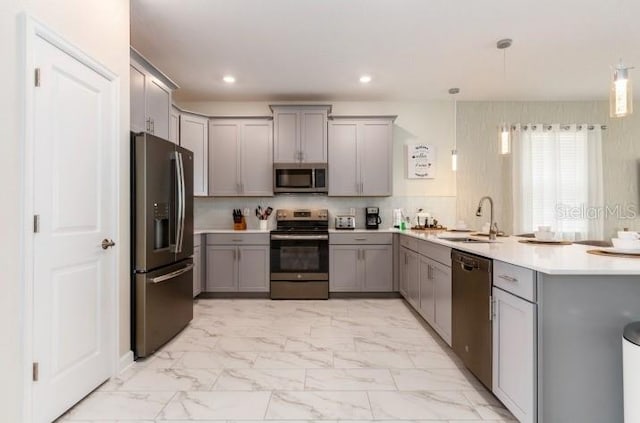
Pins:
<point x="125" y="361"/>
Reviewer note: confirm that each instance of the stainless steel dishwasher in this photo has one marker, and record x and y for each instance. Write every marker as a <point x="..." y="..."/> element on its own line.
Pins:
<point x="471" y="333"/>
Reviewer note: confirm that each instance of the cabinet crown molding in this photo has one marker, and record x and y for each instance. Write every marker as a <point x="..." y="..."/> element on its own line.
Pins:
<point x="152" y="69"/>
<point x="326" y="107"/>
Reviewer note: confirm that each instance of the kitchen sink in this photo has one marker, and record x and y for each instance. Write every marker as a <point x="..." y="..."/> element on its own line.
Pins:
<point x="467" y="240"/>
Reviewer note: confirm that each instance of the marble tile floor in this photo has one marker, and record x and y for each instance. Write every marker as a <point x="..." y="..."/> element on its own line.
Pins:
<point x="246" y="361"/>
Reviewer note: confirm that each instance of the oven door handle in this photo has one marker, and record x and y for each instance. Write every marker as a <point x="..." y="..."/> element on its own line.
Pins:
<point x="299" y="237"/>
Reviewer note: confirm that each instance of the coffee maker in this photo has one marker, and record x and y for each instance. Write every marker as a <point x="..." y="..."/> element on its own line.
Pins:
<point x="372" y="219"/>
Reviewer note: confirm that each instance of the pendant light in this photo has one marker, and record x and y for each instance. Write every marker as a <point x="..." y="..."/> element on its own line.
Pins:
<point x="621" y="97"/>
<point x="454" y="152"/>
<point x="504" y="129"/>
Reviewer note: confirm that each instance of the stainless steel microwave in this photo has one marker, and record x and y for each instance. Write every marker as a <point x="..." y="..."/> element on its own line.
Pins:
<point x="300" y="178"/>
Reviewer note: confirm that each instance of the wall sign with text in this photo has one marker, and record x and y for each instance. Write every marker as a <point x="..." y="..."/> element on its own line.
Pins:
<point x="421" y="161"/>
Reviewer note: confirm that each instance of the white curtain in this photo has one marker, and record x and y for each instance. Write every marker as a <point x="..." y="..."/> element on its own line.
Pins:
<point x="557" y="180"/>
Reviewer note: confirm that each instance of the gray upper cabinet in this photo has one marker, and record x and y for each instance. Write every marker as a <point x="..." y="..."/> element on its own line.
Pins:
<point x="300" y="133"/>
<point x="174" y="125"/>
<point x="194" y="131"/>
<point x="150" y="93"/>
<point x="240" y="157"/>
<point x="158" y="108"/>
<point x="360" y="156"/>
<point x="137" y="80"/>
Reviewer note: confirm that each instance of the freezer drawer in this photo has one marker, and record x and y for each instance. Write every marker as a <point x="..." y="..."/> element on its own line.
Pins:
<point x="164" y="305"/>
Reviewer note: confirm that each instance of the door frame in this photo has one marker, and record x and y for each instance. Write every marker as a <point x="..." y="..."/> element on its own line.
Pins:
<point x="31" y="30"/>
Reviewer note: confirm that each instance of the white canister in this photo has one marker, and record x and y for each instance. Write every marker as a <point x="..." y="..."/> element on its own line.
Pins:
<point x="264" y="224"/>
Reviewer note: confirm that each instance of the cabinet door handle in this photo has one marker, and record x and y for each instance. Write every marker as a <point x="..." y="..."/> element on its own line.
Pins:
<point x="239" y="255"/>
<point x="508" y="278"/>
<point x="490" y="307"/>
<point x="361" y="239"/>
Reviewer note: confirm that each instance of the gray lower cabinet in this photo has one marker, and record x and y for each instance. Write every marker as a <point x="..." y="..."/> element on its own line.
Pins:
<point x="435" y="296"/>
<point x="237" y="267"/>
<point x="360" y="267"/>
<point x="425" y="282"/>
<point x="409" y="276"/>
<point x="197" y="266"/>
<point x="514" y="339"/>
<point x="377" y="268"/>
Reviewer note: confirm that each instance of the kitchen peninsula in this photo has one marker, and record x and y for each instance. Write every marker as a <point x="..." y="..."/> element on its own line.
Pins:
<point x="558" y="314"/>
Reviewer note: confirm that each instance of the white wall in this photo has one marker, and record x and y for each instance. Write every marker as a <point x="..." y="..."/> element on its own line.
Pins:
<point x="425" y="122"/>
<point x="483" y="171"/>
<point x="101" y="29"/>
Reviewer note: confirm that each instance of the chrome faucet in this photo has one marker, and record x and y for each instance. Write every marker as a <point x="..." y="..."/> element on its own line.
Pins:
<point x="493" y="228"/>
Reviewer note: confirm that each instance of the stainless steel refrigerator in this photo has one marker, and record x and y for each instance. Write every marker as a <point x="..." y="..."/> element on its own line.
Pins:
<point x="162" y="241"/>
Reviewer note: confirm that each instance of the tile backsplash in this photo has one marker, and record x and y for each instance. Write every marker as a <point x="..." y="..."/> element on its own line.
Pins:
<point x="216" y="212"/>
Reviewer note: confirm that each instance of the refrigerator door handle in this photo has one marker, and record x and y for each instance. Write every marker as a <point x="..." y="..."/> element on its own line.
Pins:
<point x="172" y="274"/>
<point x="180" y="199"/>
<point x="184" y="202"/>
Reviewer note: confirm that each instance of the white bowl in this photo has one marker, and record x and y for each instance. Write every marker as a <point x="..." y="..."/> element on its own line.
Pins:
<point x="544" y="228"/>
<point x="627" y="244"/>
<point x="628" y="235"/>
<point x="544" y="235"/>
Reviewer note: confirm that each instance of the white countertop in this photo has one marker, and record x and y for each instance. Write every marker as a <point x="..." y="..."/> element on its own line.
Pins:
<point x="552" y="259"/>
<point x="362" y="230"/>
<point x="228" y="231"/>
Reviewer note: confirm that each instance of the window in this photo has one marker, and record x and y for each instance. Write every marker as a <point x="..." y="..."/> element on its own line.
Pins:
<point x="558" y="180"/>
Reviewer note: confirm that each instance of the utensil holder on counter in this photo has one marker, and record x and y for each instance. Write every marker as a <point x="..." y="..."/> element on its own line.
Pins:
<point x="264" y="224"/>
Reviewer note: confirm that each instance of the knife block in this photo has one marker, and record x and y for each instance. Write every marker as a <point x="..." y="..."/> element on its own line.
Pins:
<point x="240" y="226"/>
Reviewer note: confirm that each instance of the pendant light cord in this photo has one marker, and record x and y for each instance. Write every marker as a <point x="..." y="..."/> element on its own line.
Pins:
<point x="504" y="86"/>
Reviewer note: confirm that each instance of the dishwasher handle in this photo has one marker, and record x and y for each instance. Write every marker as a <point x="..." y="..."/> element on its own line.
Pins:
<point x="467" y="264"/>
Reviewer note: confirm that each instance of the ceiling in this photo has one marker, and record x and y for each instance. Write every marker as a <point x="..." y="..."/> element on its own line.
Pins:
<point x="413" y="49"/>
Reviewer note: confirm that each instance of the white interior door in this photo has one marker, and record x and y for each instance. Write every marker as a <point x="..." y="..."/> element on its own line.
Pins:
<point x="74" y="171"/>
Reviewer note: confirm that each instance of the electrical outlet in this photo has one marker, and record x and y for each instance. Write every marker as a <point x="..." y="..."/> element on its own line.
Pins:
<point x="352" y="211"/>
<point x="246" y="211"/>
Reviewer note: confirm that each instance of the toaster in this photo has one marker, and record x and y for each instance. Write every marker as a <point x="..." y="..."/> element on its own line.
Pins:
<point x="345" y="222"/>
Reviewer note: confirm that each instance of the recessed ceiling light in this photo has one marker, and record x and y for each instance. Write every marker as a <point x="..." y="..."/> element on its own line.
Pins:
<point x="365" y="79"/>
<point x="229" y="79"/>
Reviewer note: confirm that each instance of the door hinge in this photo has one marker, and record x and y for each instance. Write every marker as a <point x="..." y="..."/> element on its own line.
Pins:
<point x="36" y="223"/>
<point x="35" y="371"/>
<point x="37" y="77"/>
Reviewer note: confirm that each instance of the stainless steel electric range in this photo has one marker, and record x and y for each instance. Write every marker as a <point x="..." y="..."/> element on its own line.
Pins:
<point x="300" y="255"/>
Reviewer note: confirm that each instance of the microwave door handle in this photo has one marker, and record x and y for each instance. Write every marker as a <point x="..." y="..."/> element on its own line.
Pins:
<point x="313" y="178"/>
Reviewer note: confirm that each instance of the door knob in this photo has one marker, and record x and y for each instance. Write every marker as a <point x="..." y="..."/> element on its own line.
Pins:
<point x="106" y="243"/>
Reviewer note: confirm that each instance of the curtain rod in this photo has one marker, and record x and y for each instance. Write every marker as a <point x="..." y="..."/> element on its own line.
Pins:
<point x="548" y="126"/>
